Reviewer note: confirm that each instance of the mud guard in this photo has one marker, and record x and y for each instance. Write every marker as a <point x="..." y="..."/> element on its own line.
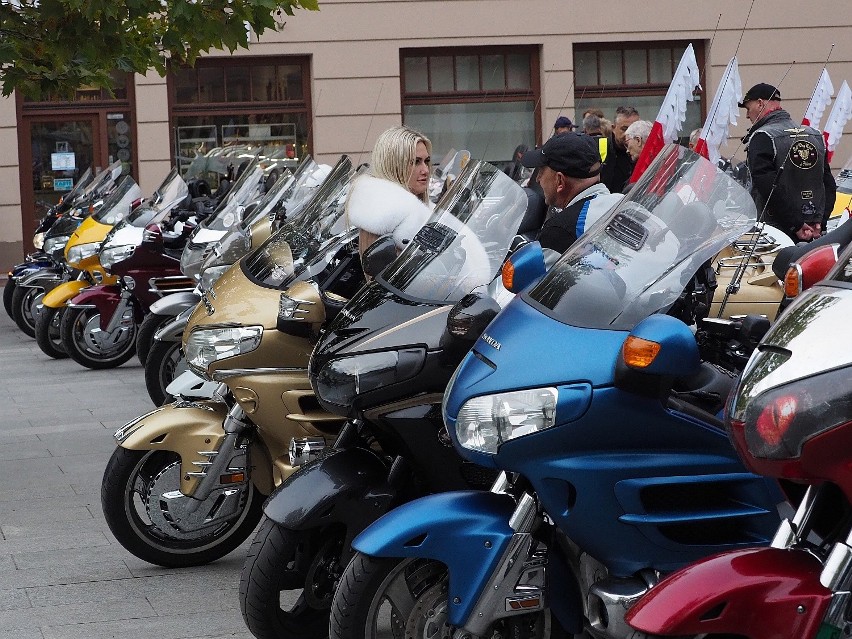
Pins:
<point x="758" y="593"/>
<point x="174" y="303"/>
<point x="57" y="297"/>
<point x="185" y="428"/>
<point x="345" y="486"/>
<point x="468" y="531"/>
<point x="41" y="277"/>
<point x="103" y="298"/>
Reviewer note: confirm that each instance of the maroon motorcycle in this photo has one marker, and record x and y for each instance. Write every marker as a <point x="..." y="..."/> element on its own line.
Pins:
<point x="99" y="326"/>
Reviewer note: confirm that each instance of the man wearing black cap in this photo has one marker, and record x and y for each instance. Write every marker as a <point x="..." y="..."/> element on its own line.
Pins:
<point x="569" y="174"/>
<point x="789" y="167"/>
<point x="563" y="125"/>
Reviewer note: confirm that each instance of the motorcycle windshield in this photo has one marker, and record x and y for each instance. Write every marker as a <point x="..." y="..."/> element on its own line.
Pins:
<point x="284" y="256"/>
<point x="82" y="182"/>
<point x="102" y="182"/>
<point x="270" y="200"/>
<point x="117" y="205"/>
<point x="171" y="192"/>
<point x="464" y="242"/>
<point x="636" y="260"/>
<point x="229" y="213"/>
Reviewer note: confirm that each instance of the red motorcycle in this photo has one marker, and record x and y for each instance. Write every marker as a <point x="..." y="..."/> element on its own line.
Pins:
<point x="99" y="326"/>
<point x="790" y="417"/>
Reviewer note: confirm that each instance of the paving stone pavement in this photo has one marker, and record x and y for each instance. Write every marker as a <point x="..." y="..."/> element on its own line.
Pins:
<point x="62" y="574"/>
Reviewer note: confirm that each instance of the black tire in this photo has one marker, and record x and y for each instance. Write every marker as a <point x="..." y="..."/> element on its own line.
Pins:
<point x="369" y="584"/>
<point x="8" y="291"/>
<point x="22" y="307"/>
<point x="47" y="332"/>
<point x="74" y="329"/>
<point x="130" y="482"/>
<point x="165" y="362"/>
<point x="271" y="569"/>
<point x="145" y="338"/>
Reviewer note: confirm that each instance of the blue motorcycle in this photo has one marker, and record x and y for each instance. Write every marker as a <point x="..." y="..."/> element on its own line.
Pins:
<point x="601" y="412"/>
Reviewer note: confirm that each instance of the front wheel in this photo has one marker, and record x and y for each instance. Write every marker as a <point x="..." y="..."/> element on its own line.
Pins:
<point x="24" y="307"/>
<point x="88" y="345"/>
<point x="151" y="323"/>
<point x="280" y="562"/>
<point x="165" y="361"/>
<point x="148" y="515"/>
<point x="380" y="598"/>
<point x="8" y="292"/>
<point x="47" y="332"/>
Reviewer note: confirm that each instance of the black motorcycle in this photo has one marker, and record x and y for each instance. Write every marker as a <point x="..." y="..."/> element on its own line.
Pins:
<point x="383" y="363"/>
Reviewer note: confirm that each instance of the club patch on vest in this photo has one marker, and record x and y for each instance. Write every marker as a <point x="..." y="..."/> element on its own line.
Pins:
<point x="803" y="154"/>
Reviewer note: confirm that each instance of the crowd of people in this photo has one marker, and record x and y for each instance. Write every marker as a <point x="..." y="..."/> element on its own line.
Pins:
<point x="580" y="171"/>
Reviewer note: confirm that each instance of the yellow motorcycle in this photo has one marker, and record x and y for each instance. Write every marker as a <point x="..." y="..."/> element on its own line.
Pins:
<point x="186" y="483"/>
<point x="81" y="256"/>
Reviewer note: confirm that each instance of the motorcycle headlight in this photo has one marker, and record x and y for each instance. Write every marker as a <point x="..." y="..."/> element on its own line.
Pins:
<point x="38" y="241"/>
<point x="111" y="256"/>
<point x="54" y="246"/>
<point x="210" y="275"/>
<point x="80" y="252"/>
<point x="205" y="346"/>
<point x="341" y="380"/>
<point x="484" y="423"/>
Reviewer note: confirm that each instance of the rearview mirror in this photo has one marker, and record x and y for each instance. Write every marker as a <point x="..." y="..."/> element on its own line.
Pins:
<point x="470" y="316"/>
<point x="523" y="267"/>
<point x="378" y="255"/>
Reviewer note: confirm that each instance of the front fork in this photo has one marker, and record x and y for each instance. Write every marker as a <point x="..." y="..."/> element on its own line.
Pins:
<point x="836" y="572"/>
<point x="517" y="585"/>
<point x="228" y="465"/>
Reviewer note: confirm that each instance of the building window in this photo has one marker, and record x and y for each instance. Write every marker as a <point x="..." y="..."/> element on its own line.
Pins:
<point x="256" y="101"/>
<point x="481" y="99"/>
<point x="634" y="74"/>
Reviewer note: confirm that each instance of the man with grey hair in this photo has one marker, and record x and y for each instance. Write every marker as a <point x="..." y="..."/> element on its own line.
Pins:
<point x="592" y="125"/>
<point x="618" y="166"/>
<point x="635" y="137"/>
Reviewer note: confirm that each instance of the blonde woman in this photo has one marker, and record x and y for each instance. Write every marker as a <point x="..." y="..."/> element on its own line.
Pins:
<point x="393" y="198"/>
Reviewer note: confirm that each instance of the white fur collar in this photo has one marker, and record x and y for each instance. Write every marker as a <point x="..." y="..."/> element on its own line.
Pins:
<point x="382" y="207"/>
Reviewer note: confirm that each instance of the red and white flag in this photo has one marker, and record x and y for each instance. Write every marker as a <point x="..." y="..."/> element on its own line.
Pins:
<point x="723" y="113"/>
<point x="840" y="114"/>
<point x="819" y="100"/>
<point x="672" y="112"/>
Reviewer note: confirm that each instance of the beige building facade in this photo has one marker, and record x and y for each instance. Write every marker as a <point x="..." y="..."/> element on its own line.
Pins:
<point x="484" y="75"/>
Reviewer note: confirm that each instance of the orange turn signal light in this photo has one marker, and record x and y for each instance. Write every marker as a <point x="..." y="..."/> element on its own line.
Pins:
<point x="792" y="282"/>
<point x="638" y="352"/>
<point x="508" y="275"/>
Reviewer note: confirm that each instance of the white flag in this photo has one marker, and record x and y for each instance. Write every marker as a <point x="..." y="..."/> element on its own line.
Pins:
<point x="722" y="114"/>
<point x="840" y="114"/>
<point x="819" y="100"/>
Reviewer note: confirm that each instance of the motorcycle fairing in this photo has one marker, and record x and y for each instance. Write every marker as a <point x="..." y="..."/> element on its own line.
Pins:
<point x="103" y="298"/>
<point x="468" y="531"/>
<point x="64" y="292"/>
<point x="616" y="476"/>
<point x="185" y="428"/>
<point x="722" y="594"/>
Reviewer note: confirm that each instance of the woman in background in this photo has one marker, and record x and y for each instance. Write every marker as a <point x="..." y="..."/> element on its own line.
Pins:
<point x="393" y="197"/>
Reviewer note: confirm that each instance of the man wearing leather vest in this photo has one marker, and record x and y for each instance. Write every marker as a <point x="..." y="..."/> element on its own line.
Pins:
<point x="789" y="168"/>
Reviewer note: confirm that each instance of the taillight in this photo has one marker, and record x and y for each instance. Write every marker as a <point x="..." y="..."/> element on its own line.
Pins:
<point x="775" y="419"/>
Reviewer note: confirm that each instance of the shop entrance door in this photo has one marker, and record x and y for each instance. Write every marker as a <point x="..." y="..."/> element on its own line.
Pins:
<point x="61" y="149"/>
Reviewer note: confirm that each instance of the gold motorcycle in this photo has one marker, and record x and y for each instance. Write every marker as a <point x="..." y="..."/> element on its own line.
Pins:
<point x="186" y="483"/>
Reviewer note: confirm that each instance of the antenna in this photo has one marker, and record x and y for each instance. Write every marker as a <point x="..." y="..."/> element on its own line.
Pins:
<point x="370" y="125"/>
